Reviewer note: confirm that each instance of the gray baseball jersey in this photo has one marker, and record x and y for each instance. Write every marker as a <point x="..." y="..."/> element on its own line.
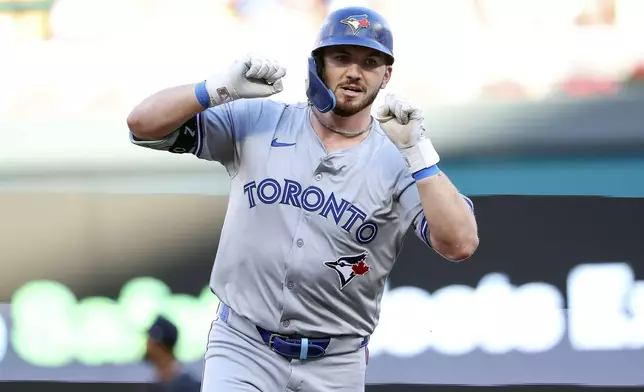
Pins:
<point x="309" y="237"/>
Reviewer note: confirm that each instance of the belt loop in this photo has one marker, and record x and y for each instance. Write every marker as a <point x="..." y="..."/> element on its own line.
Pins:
<point x="304" y="348"/>
<point x="223" y="312"/>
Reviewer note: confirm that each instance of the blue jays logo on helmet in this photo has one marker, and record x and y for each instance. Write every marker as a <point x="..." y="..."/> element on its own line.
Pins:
<point x="356" y="22"/>
<point x="357" y="26"/>
<point x="348" y="267"/>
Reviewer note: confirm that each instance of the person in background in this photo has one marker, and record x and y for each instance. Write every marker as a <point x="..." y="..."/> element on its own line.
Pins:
<point x="169" y="374"/>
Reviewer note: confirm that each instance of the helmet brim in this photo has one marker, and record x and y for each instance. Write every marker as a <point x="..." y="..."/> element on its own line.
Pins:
<point x="353" y="40"/>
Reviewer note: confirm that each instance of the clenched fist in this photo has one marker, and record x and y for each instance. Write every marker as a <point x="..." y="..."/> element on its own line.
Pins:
<point x="403" y="123"/>
<point x="252" y="76"/>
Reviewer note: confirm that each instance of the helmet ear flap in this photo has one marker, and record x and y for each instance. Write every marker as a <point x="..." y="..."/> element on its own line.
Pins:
<point x="316" y="90"/>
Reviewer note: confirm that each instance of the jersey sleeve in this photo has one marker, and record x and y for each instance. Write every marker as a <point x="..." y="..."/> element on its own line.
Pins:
<point x="411" y="209"/>
<point x="216" y="134"/>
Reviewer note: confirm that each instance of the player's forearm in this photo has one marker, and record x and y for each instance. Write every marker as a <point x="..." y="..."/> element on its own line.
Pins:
<point x="163" y="112"/>
<point x="451" y="224"/>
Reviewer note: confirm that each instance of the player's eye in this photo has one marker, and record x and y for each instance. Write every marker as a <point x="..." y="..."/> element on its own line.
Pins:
<point x="371" y="62"/>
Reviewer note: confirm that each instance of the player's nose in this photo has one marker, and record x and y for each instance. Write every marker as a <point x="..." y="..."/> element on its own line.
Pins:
<point x="354" y="71"/>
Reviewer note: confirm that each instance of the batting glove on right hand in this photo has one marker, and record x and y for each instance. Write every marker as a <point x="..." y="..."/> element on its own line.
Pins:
<point x="252" y="76"/>
<point x="403" y="123"/>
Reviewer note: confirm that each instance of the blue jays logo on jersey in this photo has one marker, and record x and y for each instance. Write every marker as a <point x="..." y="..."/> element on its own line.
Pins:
<point x="356" y="22"/>
<point x="348" y="267"/>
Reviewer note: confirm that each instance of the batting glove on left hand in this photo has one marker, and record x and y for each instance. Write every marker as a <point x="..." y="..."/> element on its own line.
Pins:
<point x="403" y="123"/>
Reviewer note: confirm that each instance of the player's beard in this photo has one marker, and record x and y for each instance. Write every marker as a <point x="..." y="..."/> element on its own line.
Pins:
<point x="352" y="107"/>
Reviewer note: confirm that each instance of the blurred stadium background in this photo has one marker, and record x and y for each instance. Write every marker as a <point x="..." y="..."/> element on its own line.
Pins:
<point x="536" y="106"/>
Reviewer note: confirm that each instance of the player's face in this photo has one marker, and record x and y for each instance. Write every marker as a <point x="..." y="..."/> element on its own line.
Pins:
<point x="153" y="351"/>
<point x="150" y="351"/>
<point x="355" y="75"/>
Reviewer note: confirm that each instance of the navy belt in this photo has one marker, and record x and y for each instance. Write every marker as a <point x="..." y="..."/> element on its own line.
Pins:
<point x="294" y="347"/>
<point x="290" y="347"/>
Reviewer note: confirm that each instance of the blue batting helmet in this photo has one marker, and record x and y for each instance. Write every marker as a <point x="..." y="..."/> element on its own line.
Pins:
<point x="357" y="26"/>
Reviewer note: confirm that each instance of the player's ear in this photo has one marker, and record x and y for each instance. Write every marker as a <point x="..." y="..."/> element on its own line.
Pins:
<point x="386" y="77"/>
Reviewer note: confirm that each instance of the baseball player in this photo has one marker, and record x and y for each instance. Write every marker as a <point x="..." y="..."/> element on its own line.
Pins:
<point x="159" y="352"/>
<point x="322" y="195"/>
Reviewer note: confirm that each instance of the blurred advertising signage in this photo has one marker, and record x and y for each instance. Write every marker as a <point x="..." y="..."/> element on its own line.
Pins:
<point x="98" y="330"/>
<point x="605" y="312"/>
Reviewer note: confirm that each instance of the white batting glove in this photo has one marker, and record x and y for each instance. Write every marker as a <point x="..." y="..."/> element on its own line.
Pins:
<point x="252" y="76"/>
<point x="403" y="123"/>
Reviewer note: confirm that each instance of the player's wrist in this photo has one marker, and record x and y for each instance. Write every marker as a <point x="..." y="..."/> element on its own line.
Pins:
<point x="426" y="172"/>
<point x="218" y="90"/>
<point x="422" y="159"/>
<point x="201" y="93"/>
